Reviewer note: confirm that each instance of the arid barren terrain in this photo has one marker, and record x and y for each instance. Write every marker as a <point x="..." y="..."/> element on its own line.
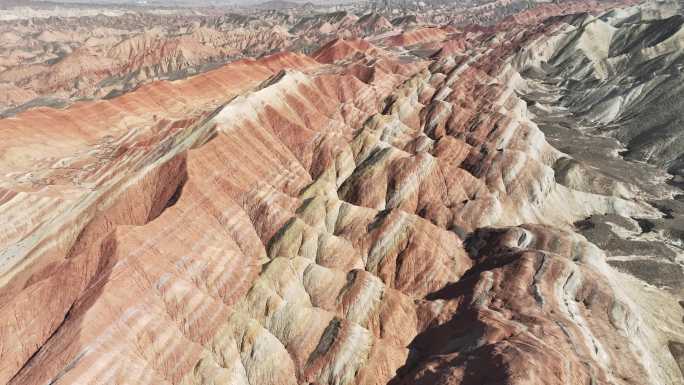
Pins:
<point x="440" y="193"/>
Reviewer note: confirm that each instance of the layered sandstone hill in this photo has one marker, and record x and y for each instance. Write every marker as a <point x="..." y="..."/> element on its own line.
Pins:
<point x="53" y="54"/>
<point x="429" y="207"/>
<point x="55" y="60"/>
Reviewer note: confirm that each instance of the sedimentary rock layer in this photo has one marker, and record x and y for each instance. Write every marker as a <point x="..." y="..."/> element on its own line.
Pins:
<point x="392" y="210"/>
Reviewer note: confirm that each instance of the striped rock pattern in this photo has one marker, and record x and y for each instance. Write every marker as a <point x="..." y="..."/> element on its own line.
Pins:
<point x="363" y="215"/>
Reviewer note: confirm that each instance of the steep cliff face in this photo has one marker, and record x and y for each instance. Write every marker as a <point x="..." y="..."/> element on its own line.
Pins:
<point x="416" y="208"/>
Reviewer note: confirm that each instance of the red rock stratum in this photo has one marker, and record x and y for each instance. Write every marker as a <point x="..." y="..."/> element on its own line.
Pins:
<point x="428" y="206"/>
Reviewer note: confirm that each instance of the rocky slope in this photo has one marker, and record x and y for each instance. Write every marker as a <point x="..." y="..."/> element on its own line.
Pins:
<point x="435" y="206"/>
<point x="53" y="54"/>
<point x="52" y="61"/>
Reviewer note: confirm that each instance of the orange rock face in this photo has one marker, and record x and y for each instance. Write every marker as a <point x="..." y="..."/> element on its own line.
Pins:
<point x="381" y="211"/>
